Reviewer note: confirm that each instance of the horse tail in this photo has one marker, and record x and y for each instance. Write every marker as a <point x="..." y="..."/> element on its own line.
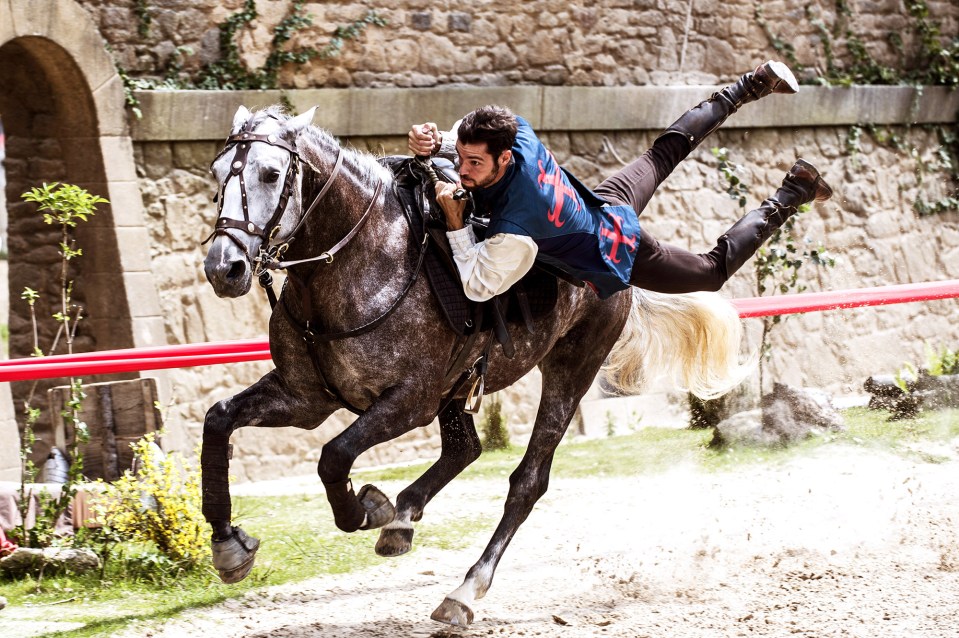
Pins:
<point x="692" y="339"/>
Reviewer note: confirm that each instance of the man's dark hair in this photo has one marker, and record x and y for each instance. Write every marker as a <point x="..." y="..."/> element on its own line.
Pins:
<point x="494" y="125"/>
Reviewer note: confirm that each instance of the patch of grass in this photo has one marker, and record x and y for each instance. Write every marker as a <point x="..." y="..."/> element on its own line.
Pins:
<point x="873" y="429"/>
<point x="652" y="450"/>
<point x="648" y="451"/>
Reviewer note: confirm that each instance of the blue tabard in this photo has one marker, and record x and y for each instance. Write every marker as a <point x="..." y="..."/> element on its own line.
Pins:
<point x="574" y="229"/>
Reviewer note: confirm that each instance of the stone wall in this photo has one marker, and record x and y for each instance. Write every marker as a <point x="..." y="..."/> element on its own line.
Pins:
<point x="499" y="42"/>
<point x="869" y="226"/>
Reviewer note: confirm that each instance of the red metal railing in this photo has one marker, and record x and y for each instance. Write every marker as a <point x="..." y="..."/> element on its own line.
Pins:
<point x="201" y="354"/>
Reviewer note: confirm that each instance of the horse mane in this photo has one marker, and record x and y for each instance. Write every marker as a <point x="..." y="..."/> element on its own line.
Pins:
<point x="314" y="144"/>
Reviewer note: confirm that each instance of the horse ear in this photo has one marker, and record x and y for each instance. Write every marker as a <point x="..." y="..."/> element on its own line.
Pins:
<point x="240" y="117"/>
<point x="301" y="121"/>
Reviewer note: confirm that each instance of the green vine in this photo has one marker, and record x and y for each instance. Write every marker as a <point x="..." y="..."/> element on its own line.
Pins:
<point x="229" y="72"/>
<point x="350" y="32"/>
<point x="141" y="10"/>
<point x="932" y="61"/>
<point x="779" y="260"/>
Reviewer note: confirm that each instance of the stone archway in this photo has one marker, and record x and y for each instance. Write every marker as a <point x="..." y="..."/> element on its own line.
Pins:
<point x="62" y="103"/>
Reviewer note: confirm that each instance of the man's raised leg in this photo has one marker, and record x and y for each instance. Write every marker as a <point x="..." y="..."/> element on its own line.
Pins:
<point x="701" y="120"/>
<point x="636" y="183"/>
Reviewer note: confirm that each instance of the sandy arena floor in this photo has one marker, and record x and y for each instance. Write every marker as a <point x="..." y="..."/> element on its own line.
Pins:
<point x="845" y="543"/>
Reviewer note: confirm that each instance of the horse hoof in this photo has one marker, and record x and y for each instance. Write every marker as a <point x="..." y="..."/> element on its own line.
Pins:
<point x="379" y="510"/>
<point x="394" y="541"/>
<point x="233" y="576"/>
<point x="233" y="558"/>
<point x="453" y="612"/>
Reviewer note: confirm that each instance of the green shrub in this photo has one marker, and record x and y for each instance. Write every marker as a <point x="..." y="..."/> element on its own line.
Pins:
<point x="158" y="503"/>
<point x="495" y="433"/>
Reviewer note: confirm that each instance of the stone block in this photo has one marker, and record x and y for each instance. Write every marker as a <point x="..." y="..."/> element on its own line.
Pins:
<point x="148" y="331"/>
<point x="194" y="156"/>
<point x="421" y="20"/>
<point x="126" y="203"/>
<point x="141" y="293"/>
<point x="134" y="245"/>
<point x="117" y="158"/>
<point x="459" y="21"/>
<point x="112" y="110"/>
<point x="157" y="160"/>
<point x="7" y="31"/>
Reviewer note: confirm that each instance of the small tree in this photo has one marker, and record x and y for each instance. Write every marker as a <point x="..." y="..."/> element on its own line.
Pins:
<point x="65" y="205"/>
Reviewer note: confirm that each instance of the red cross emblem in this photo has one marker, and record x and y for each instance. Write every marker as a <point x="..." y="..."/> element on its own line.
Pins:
<point x="560" y="191"/>
<point x="618" y="238"/>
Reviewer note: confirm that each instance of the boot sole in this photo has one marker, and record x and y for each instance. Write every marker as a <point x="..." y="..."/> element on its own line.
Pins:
<point x="823" y="190"/>
<point x="783" y="79"/>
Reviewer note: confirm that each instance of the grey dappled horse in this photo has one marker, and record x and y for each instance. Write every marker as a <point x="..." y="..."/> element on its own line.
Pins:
<point x="289" y="193"/>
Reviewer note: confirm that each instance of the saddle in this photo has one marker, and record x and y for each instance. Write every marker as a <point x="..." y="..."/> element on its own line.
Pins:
<point x="533" y="297"/>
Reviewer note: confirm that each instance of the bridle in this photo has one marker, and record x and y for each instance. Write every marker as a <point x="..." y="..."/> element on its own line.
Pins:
<point x="241" y="143"/>
<point x="270" y="254"/>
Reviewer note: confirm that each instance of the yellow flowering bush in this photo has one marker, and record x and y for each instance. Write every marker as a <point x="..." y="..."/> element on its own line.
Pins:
<point x="158" y="502"/>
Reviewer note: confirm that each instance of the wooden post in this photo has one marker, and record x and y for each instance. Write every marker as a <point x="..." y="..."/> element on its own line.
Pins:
<point x="117" y="413"/>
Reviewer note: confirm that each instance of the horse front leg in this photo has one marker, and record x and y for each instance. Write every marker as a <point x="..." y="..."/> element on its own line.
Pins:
<point x="395" y="412"/>
<point x="267" y="403"/>
<point x="460" y="446"/>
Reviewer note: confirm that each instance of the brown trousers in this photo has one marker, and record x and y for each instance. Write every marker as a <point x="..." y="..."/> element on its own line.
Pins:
<point x="658" y="266"/>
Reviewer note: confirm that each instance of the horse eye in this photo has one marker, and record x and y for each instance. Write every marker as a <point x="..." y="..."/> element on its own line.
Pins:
<point x="271" y="176"/>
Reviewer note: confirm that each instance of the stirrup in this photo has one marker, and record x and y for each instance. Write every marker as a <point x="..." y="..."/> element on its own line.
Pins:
<point x="475" y="397"/>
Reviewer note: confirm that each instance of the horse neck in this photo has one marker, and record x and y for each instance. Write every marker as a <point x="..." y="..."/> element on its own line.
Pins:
<point x="373" y="260"/>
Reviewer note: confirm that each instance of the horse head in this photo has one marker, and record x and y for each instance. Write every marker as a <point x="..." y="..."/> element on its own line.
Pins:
<point x="258" y="188"/>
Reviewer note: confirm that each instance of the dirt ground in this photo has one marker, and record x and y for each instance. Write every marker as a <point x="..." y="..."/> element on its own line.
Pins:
<point x="844" y="543"/>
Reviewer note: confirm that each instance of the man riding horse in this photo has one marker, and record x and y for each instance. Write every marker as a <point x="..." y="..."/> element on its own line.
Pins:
<point x="537" y="209"/>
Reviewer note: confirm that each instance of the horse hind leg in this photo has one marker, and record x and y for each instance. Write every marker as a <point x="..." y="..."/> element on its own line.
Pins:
<point x="568" y="372"/>
<point x="460" y="446"/>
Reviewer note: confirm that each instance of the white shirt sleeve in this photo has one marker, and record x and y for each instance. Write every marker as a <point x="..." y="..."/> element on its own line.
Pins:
<point x="447" y="147"/>
<point x="490" y="267"/>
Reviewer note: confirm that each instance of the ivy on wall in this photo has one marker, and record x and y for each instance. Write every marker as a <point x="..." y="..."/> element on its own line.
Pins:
<point x="229" y="72"/>
<point x="141" y="9"/>
<point x="930" y="61"/>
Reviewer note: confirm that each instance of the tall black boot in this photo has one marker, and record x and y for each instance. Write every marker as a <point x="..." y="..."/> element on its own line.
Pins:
<point x="701" y="120"/>
<point x="802" y="184"/>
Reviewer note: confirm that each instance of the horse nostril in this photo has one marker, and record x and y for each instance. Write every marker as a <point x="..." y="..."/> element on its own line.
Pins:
<point x="237" y="270"/>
